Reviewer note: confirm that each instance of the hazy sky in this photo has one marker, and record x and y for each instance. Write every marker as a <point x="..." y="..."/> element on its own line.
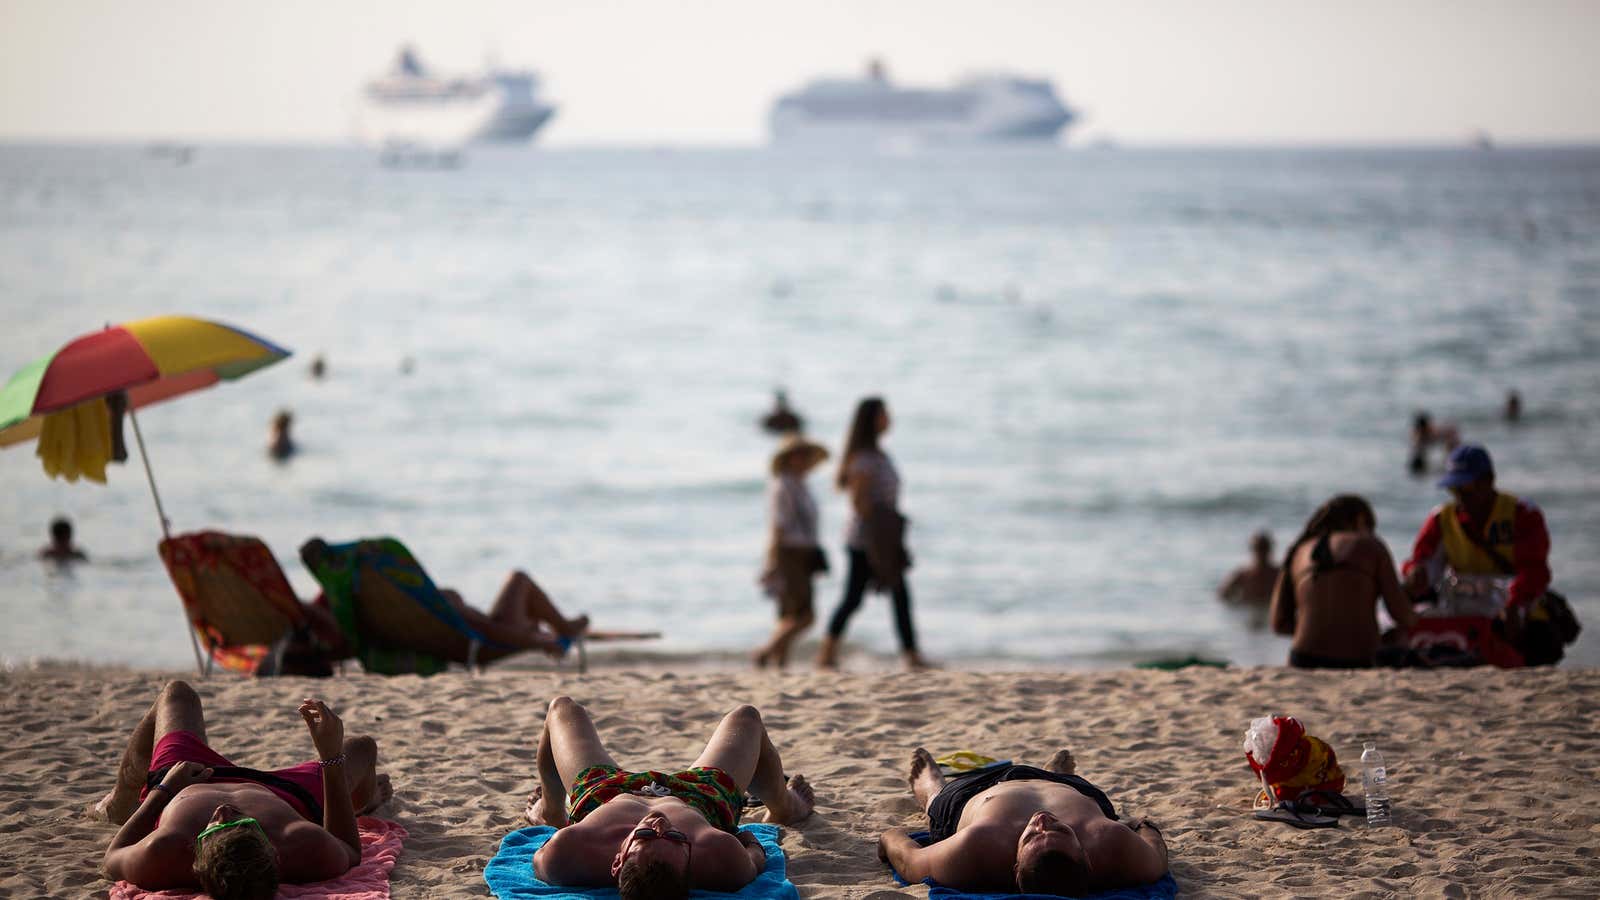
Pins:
<point x="690" y="72"/>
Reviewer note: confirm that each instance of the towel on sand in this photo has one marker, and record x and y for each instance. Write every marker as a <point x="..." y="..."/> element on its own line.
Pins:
<point x="1164" y="889"/>
<point x="510" y="873"/>
<point x="380" y="847"/>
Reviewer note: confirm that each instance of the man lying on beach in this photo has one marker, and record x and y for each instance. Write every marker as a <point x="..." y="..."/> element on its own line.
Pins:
<point x="190" y="818"/>
<point x="650" y="833"/>
<point x="1012" y="828"/>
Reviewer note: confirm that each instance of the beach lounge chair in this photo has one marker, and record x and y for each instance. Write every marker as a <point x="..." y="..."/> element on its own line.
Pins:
<point x="391" y="613"/>
<point x="236" y="597"/>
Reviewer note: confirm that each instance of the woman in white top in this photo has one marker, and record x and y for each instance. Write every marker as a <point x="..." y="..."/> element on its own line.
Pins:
<point x="794" y="555"/>
<point x="875" y="534"/>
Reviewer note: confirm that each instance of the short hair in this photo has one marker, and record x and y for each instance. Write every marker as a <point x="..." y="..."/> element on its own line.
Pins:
<point x="1262" y="540"/>
<point x="61" y="528"/>
<point x="1053" y="872"/>
<point x="653" y="879"/>
<point x="237" y="864"/>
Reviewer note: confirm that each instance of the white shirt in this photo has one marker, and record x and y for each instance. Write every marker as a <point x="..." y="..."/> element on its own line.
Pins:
<point x="794" y="511"/>
<point x="882" y="488"/>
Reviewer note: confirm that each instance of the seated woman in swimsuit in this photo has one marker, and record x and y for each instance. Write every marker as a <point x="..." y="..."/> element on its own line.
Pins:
<point x="1327" y="591"/>
<point x="652" y="833"/>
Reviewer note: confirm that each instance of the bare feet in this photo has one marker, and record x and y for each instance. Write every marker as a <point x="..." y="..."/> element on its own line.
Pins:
<point x="1062" y="763"/>
<point x="575" y="628"/>
<point x="926" y="779"/>
<point x="537" y="814"/>
<point x="828" y="653"/>
<point x="915" y="662"/>
<point x="113" y="808"/>
<point x="383" y="792"/>
<point x="760" y="658"/>
<point x="801" y="800"/>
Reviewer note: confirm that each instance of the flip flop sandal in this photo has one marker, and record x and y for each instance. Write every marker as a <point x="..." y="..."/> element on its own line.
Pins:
<point x="1287" y="813"/>
<point x="1328" y="803"/>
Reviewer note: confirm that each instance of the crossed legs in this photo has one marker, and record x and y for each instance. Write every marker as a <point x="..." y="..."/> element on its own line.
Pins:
<point x="178" y="708"/>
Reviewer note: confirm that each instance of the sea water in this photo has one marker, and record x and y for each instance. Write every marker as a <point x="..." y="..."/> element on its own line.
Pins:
<point x="1106" y="369"/>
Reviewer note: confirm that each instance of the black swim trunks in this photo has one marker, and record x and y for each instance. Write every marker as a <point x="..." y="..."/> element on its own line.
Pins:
<point x="944" y="813"/>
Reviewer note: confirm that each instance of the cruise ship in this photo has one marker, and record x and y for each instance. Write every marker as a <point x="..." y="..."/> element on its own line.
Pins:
<point x="412" y="107"/>
<point x="872" y="110"/>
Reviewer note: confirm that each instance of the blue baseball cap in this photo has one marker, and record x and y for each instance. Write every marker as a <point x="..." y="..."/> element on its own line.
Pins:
<point x="1468" y="463"/>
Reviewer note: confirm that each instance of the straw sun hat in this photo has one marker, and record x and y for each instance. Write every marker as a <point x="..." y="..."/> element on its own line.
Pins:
<point x="793" y="444"/>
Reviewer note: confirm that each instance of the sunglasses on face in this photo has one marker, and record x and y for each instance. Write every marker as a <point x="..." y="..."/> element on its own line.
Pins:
<point x="643" y="833"/>
<point x="221" y="826"/>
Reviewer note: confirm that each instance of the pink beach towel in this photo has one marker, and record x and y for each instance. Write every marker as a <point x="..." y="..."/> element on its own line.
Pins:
<point x="380" y="848"/>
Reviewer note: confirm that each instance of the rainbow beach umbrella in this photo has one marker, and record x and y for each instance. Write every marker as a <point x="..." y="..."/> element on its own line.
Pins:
<point x="146" y="361"/>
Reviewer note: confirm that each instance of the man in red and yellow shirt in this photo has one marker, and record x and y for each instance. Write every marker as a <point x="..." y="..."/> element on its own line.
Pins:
<point x="1482" y="531"/>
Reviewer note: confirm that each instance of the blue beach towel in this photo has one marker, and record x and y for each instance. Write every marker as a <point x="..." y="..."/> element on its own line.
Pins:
<point x="510" y="873"/>
<point x="1164" y="889"/>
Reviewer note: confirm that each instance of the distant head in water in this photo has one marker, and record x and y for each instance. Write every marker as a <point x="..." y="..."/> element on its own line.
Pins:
<point x="280" y="445"/>
<point x="1261" y="547"/>
<point x="1513" y="406"/>
<point x="60" y="548"/>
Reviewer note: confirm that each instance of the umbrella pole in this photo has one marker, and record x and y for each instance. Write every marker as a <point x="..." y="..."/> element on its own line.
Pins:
<point x="149" y="476"/>
<point x="166" y="532"/>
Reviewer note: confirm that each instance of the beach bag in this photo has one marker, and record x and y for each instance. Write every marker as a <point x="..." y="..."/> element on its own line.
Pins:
<point x="1549" y="625"/>
<point x="1548" y="628"/>
<point x="1288" y="761"/>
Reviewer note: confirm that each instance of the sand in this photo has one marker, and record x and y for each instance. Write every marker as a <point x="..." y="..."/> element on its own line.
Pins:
<point x="1495" y="775"/>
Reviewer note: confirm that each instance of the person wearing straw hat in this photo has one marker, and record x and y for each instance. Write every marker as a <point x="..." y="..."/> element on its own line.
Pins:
<point x="794" y="555"/>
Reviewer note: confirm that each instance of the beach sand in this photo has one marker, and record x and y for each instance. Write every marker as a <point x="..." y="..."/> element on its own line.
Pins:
<point x="1495" y="775"/>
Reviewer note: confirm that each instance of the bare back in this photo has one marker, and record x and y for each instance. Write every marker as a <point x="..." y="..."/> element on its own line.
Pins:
<point x="1334" y="614"/>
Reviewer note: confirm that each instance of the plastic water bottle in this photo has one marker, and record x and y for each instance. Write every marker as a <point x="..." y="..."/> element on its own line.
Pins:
<point x="1375" y="781"/>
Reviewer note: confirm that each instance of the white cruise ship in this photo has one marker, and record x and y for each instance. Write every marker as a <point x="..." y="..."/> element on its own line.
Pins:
<point x="872" y="110"/>
<point x="412" y="107"/>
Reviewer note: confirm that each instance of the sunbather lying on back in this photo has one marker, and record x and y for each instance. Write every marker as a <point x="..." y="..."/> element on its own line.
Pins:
<point x="650" y="833"/>
<point x="1015" y="828"/>
<point x="192" y="819"/>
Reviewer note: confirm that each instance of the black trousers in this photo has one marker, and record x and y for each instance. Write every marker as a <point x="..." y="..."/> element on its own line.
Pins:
<point x="855" y="587"/>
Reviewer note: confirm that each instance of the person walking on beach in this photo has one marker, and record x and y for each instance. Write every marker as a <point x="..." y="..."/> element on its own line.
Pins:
<point x="1494" y="544"/>
<point x="191" y="818"/>
<point x="655" y="834"/>
<point x="1251" y="585"/>
<point x="875" y="535"/>
<point x="1327" y="593"/>
<point x="794" y="555"/>
<point x="1011" y="828"/>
